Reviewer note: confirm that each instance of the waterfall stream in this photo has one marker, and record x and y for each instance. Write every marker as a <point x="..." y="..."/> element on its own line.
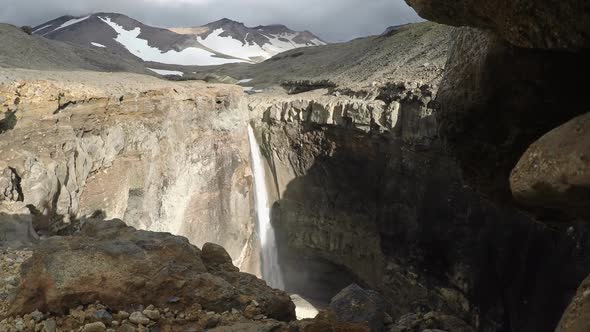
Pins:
<point x="271" y="271"/>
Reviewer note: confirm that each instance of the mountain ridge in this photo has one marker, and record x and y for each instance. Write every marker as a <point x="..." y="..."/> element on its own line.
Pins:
<point x="219" y="42"/>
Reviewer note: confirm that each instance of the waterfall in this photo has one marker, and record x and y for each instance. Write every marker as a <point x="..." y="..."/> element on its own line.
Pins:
<point x="271" y="271"/>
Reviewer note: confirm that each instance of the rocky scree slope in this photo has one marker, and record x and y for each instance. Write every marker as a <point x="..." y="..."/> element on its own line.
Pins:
<point x="415" y="52"/>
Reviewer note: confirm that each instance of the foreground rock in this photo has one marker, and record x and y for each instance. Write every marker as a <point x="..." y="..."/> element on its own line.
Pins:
<point x="121" y="267"/>
<point x="354" y="304"/>
<point x="554" y="173"/>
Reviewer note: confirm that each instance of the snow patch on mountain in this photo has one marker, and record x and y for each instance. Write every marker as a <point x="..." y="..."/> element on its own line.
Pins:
<point x="140" y="48"/>
<point x="97" y="45"/>
<point x="166" y="72"/>
<point x="41" y="28"/>
<point x="230" y="46"/>
<point x="277" y="43"/>
<point x="71" y="22"/>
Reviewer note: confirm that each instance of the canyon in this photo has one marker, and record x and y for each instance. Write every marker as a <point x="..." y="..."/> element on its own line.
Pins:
<point x="447" y="182"/>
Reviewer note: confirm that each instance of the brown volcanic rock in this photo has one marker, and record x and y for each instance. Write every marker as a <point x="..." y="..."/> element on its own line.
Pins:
<point x="529" y="23"/>
<point x="555" y="170"/>
<point x="577" y="315"/>
<point x="121" y="266"/>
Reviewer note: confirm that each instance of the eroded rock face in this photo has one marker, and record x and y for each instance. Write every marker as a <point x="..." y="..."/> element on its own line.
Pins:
<point x="162" y="156"/>
<point x="402" y="108"/>
<point x="530" y="23"/>
<point x="120" y="266"/>
<point x="554" y="173"/>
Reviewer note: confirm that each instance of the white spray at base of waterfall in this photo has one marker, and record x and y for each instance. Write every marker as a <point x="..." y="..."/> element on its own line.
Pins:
<point x="271" y="271"/>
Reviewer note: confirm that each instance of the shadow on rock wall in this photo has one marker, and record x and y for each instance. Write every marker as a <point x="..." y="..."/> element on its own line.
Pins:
<point x="373" y="210"/>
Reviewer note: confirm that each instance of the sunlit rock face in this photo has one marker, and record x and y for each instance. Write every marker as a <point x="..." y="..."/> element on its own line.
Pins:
<point x="162" y="156"/>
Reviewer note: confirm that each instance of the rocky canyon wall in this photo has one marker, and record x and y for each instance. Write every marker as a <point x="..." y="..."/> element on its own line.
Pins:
<point x="161" y="156"/>
<point x="365" y="191"/>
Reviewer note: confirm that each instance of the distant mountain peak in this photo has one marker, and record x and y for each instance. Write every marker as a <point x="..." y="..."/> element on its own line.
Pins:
<point x="219" y="42"/>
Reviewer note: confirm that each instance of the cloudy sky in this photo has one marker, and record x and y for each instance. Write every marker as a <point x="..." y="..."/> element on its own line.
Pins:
<point x="333" y="20"/>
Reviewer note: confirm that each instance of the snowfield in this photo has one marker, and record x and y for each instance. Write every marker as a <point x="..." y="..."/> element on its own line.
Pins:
<point x="166" y="72"/>
<point x="231" y="46"/>
<point x="41" y="28"/>
<point x="70" y="22"/>
<point x="191" y="56"/>
<point x="249" y="51"/>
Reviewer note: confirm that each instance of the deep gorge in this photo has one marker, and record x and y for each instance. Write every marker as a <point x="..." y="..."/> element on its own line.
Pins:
<point x="457" y="192"/>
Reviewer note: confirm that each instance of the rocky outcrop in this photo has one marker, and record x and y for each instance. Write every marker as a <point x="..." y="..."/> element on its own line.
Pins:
<point x="403" y="109"/>
<point x="554" y="173"/>
<point x="531" y="23"/>
<point x="162" y="156"/>
<point x="357" y="305"/>
<point x="300" y="86"/>
<point x="140" y="267"/>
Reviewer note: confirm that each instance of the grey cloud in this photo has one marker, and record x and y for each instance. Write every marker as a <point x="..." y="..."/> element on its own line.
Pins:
<point x="333" y="20"/>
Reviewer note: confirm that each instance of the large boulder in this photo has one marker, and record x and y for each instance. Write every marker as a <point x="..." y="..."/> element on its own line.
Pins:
<point x="577" y="315"/>
<point x="554" y="173"/>
<point x="122" y="267"/>
<point x="525" y="23"/>
<point x="357" y="305"/>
